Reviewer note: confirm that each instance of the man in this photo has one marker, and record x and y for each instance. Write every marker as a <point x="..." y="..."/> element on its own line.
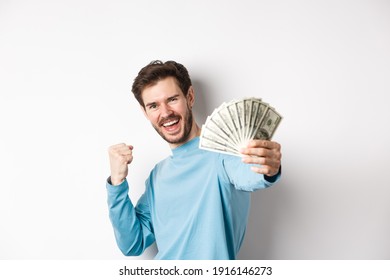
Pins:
<point x="196" y="202"/>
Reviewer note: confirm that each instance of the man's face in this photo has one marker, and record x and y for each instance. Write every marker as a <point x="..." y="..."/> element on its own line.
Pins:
<point x="169" y="111"/>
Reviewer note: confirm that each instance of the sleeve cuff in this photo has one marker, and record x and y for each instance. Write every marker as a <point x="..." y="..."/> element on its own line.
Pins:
<point x="275" y="177"/>
<point x="110" y="183"/>
<point x="117" y="188"/>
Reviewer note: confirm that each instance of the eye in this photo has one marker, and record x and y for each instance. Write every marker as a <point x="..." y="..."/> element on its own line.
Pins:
<point x="152" y="106"/>
<point x="172" y="99"/>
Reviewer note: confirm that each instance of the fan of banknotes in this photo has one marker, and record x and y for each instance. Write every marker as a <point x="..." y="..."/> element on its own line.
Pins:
<point x="233" y="124"/>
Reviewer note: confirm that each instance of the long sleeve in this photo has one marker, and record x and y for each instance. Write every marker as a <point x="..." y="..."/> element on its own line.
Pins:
<point x="132" y="225"/>
<point x="242" y="177"/>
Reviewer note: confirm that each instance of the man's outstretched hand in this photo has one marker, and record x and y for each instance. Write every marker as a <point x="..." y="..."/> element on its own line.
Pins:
<point x="267" y="154"/>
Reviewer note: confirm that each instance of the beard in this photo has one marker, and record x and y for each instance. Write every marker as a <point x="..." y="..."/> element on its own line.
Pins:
<point x="188" y="119"/>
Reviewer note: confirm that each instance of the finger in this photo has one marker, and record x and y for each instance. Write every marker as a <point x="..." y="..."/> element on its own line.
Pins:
<point x="117" y="146"/>
<point x="125" y="150"/>
<point x="124" y="158"/>
<point x="122" y="149"/>
<point x="263" y="144"/>
<point x="128" y="159"/>
<point x="265" y="170"/>
<point x="271" y="162"/>
<point x="120" y="146"/>
<point x="259" y="152"/>
<point x="255" y="160"/>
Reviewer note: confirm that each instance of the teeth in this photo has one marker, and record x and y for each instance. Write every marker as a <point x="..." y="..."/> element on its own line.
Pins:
<point x="170" y="123"/>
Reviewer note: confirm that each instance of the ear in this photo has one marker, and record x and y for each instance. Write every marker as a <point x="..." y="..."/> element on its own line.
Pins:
<point x="191" y="96"/>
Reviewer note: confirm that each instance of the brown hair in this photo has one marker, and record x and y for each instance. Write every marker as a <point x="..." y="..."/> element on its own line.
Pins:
<point x="156" y="71"/>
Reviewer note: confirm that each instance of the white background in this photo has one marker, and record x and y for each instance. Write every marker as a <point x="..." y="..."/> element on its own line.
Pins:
<point x="66" y="69"/>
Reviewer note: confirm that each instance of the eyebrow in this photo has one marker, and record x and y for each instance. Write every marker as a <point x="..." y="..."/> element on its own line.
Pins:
<point x="154" y="103"/>
<point x="176" y="95"/>
<point x="151" y="103"/>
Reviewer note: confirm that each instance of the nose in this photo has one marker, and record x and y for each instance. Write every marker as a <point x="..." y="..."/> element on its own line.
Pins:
<point x="165" y="110"/>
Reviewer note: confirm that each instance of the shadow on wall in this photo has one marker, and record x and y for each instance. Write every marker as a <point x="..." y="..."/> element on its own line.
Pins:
<point x="265" y="213"/>
<point x="201" y="107"/>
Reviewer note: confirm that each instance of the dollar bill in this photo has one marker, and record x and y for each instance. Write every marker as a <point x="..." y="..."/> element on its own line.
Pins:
<point x="224" y="117"/>
<point x="233" y="124"/>
<point x="268" y="125"/>
<point x="215" y="146"/>
<point x="258" y="113"/>
<point x="220" y="139"/>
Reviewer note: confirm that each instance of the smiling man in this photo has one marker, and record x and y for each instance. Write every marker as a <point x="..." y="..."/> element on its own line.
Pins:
<point x="169" y="111"/>
<point x="196" y="202"/>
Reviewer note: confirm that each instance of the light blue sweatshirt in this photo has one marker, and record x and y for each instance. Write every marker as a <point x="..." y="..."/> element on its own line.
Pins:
<point x="195" y="206"/>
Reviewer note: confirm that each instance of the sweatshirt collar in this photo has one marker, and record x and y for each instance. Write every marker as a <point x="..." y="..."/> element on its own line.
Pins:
<point x="191" y="145"/>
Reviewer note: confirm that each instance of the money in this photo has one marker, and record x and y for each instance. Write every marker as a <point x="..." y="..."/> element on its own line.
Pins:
<point x="233" y="124"/>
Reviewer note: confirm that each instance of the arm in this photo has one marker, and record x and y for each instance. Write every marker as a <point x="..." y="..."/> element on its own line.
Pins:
<point x="259" y="168"/>
<point x="132" y="225"/>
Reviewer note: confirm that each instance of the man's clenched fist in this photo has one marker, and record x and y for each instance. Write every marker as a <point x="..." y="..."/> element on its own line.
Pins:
<point x="120" y="156"/>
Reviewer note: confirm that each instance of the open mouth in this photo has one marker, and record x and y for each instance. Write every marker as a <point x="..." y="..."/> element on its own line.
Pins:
<point x="171" y="125"/>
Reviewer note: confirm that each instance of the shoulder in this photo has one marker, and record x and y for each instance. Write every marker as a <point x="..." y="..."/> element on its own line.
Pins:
<point x="155" y="170"/>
